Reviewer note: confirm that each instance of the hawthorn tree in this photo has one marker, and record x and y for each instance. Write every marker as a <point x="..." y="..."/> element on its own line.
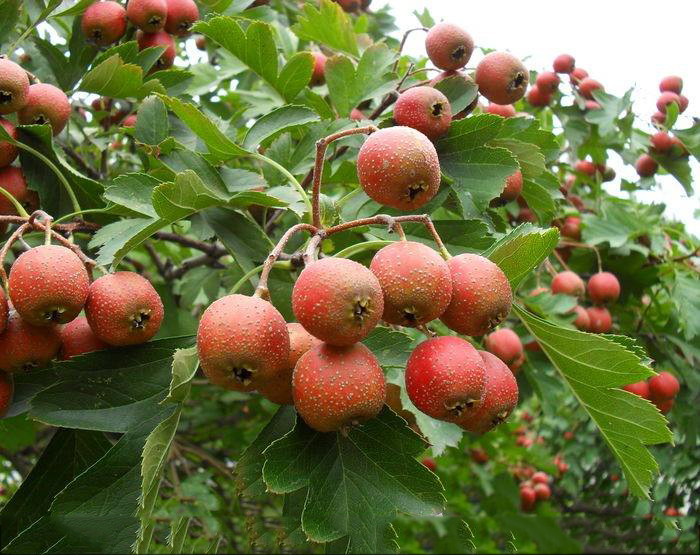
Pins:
<point x="206" y="172"/>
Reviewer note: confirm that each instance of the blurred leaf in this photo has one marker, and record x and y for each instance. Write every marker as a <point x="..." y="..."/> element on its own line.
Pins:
<point x="328" y="25"/>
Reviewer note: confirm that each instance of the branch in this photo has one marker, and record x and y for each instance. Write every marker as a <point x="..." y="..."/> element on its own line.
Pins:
<point x="73" y="155"/>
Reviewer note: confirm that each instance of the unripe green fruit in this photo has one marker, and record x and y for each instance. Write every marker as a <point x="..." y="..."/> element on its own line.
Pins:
<point x="48" y="285"/>
<point x="513" y="187"/>
<point x="416" y="283"/>
<point x="24" y="347"/>
<point x="104" y="22"/>
<point x="445" y="378"/>
<point x="504" y="110"/>
<point x="14" y="86"/>
<point x="449" y="46"/>
<point x="318" y="77"/>
<point x="338" y="387"/>
<point x="4" y="310"/>
<point x="481" y="295"/>
<point x="502" y="78"/>
<point x="399" y="167"/>
<point x="587" y="86"/>
<point x="564" y="63"/>
<point x="182" y="14"/>
<point x="12" y="180"/>
<point x="45" y="104"/>
<point x="499" y="398"/>
<point x="147" y="15"/>
<point x="77" y="338"/>
<point x="506" y="345"/>
<point x="338" y="300"/>
<point x="279" y="388"/>
<point x="672" y="83"/>
<point x="8" y="151"/>
<point x="123" y="309"/>
<point x="601" y="320"/>
<point x="242" y="342"/>
<point x="603" y="287"/>
<point x="425" y="109"/>
<point x="568" y="283"/>
<point x="159" y="38"/>
<point x="7" y="389"/>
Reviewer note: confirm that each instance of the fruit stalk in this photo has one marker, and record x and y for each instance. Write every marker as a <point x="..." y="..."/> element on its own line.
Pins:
<point x="321" y="146"/>
<point x="403" y="43"/>
<point x="584" y="246"/>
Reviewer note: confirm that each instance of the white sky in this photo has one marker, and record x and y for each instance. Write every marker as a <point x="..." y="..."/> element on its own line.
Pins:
<point x="621" y="43"/>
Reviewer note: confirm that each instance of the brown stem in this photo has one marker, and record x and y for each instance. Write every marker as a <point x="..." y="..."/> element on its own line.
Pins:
<point x="203" y="455"/>
<point x="309" y="255"/>
<point x="560" y="259"/>
<point x="6" y="247"/>
<point x="321" y="146"/>
<point x="73" y="155"/>
<point x="403" y="43"/>
<point x="261" y="290"/>
<point x="585" y="246"/>
<point x="548" y="266"/>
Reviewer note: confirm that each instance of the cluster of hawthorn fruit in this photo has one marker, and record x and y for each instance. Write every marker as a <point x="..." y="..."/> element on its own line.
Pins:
<point x="319" y="363"/>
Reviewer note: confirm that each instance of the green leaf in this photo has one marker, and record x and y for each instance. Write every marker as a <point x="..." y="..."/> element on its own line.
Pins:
<point x="328" y="25"/>
<point x="276" y="122"/>
<point x="76" y="395"/>
<point x="529" y="157"/>
<point x="133" y="191"/>
<point x="686" y="298"/>
<point x="349" y="86"/>
<point x="460" y="91"/>
<point x="539" y="200"/>
<point x="218" y="144"/>
<point x="616" y="223"/>
<point x="594" y="366"/>
<point x="68" y="454"/>
<point x="11" y="11"/>
<point x="522" y="250"/>
<point x="295" y="75"/>
<point x="690" y="138"/>
<point x="527" y="130"/>
<point x="114" y="78"/>
<point x="152" y="126"/>
<point x="611" y="108"/>
<point x="375" y="461"/>
<point x="185" y="362"/>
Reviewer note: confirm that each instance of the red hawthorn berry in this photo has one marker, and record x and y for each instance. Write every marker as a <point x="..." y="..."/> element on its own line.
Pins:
<point x="564" y="63"/>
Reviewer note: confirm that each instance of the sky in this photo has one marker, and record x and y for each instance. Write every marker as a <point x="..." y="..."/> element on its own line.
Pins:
<point x="621" y="43"/>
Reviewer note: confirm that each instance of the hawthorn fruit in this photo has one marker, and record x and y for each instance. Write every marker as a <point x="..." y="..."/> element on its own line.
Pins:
<point x="24" y="347"/>
<point x="182" y="14"/>
<point x="425" y="109"/>
<point x="449" y="46"/>
<point x="568" y="283"/>
<point x="14" y="87"/>
<point x="77" y="338"/>
<point x="603" y="287"/>
<point x="502" y="78"/>
<point x="104" y="23"/>
<point x="45" y="104"/>
<point x="148" y="15"/>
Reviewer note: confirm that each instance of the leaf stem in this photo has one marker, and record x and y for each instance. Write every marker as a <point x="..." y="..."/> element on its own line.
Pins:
<point x="293" y="180"/>
<point x="20" y="209"/>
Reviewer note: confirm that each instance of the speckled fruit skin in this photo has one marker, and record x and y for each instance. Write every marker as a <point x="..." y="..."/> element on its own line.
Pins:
<point x="104" y="22"/>
<point x="663" y="386"/>
<point x="582" y="321"/>
<point x="48" y="285"/>
<point x="416" y="283"/>
<point x="181" y="15"/>
<point x="123" y="309"/>
<point x="538" y="97"/>
<point x="399" y="167"/>
<point x="77" y="338"/>
<point x="661" y="141"/>
<point x="425" y="109"/>
<point x="14" y="86"/>
<point x="513" y="187"/>
<point x="603" y="287"/>
<point x="639" y="388"/>
<point x="481" y="295"/>
<point x="338" y="387"/>
<point x="665" y="99"/>
<point x="449" y="46"/>
<point x="159" y="38"/>
<point x="577" y="75"/>
<point x="505" y="344"/>
<point x="242" y="342"/>
<point x="587" y="86"/>
<point x="646" y="166"/>
<point x="445" y="378"/>
<point x="8" y="151"/>
<point x="318" y="77"/>
<point x="502" y="78"/>
<point x="564" y="63"/>
<point x="7" y="390"/>
<point x="147" y="15"/>
<point x="338" y="300"/>
<point x="24" y="347"/>
<point x="571" y="228"/>
<point x="279" y="388"/>
<point x="45" y="104"/>
<point x="4" y="310"/>
<point x="547" y="81"/>
<point x="499" y="398"/>
<point x="568" y="283"/>
<point x="601" y="320"/>
<point x="504" y="110"/>
<point x="12" y="180"/>
<point x="672" y="83"/>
